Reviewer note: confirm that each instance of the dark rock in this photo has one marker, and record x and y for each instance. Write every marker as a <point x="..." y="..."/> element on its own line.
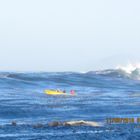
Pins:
<point x="55" y="124"/>
<point x="14" y="123"/>
<point x="38" y="126"/>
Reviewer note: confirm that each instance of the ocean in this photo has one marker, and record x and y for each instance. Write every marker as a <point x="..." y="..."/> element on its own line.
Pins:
<point x="26" y="111"/>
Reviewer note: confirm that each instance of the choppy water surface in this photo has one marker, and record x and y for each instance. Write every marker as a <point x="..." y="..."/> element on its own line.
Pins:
<point x="100" y="95"/>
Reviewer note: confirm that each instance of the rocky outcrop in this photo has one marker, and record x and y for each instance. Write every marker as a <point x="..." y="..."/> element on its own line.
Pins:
<point x="66" y="123"/>
<point x="75" y="123"/>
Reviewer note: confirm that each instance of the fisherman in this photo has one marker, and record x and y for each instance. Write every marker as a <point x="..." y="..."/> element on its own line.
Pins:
<point x="58" y="90"/>
<point x="72" y="92"/>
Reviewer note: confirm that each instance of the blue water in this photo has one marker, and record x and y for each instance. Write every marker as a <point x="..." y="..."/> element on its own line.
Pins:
<point x="100" y="95"/>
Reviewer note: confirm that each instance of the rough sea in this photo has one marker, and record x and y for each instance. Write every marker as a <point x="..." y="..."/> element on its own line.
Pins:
<point x="25" y="110"/>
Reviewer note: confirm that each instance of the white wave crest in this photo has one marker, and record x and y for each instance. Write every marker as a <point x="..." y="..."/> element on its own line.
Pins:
<point x="131" y="70"/>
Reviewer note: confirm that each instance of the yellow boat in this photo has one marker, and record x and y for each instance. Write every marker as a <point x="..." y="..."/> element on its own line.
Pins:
<point x="54" y="92"/>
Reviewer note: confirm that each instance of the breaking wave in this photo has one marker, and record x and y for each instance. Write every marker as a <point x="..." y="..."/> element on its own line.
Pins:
<point x="130" y="71"/>
<point x="86" y="79"/>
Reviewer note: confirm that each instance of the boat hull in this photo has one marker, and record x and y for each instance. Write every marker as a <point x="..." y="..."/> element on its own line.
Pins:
<point x="53" y="92"/>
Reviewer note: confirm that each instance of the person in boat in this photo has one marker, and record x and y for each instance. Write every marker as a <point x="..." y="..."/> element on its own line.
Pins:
<point x="72" y="92"/>
<point x="58" y="90"/>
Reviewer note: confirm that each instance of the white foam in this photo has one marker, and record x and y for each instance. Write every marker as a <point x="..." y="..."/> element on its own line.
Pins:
<point x="131" y="70"/>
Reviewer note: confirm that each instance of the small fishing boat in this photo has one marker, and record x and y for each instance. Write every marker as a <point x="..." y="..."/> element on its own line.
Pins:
<point x="54" y="92"/>
<point x="58" y="92"/>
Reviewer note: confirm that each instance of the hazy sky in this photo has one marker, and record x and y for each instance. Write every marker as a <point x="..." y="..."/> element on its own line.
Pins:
<point x="66" y="35"/>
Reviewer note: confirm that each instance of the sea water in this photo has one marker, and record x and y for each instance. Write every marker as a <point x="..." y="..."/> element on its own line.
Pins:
<point x="25" y="110"/>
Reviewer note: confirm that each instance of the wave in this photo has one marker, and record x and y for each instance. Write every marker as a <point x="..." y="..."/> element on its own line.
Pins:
<point x="130" y="71"/>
